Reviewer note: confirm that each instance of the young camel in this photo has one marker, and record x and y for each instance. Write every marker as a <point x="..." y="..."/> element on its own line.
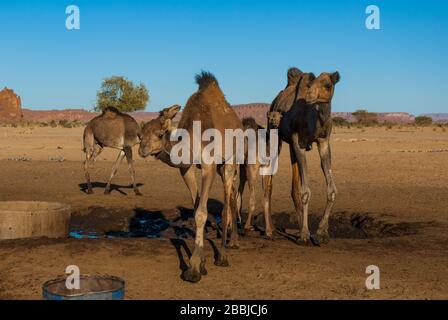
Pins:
<point x="112" y="129"/>
<point x="209" y="106"/>
<point x="307" y="121"/>
<point x="249" y="174"/>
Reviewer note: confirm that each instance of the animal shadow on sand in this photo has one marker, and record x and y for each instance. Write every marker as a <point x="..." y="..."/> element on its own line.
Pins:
<point x="177" y="225"/>
<point x="214" y="208"/>
<point x="113" y="187"/>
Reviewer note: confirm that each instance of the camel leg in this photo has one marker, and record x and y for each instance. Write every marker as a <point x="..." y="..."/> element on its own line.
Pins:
<point x="234" y="241"/>
<point x="325" y="157"/>
<point x="295" y="186"/>
<point x="239" y="196"/>
<point x="97" y="152"/>
<point x="128" y="152"/>
<point x="227" y="173"/>
<point x="251" y="173"/>
<point x="190" y="180"/>
<point x="89" y="149"/>
<point x="305" y="192"/>
<point x="89" y="157"/>
<point x="197" y="260"/>
<point x="114" y="170"/>
<point x="267" y="195"/>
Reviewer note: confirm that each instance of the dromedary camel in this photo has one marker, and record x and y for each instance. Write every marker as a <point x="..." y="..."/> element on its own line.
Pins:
<point x="112" y="129"/>
<point x="294" y="93"/>
<point x="248" y="175"/>
<point x="307" y="121"/>
<point x="208" y="106"/>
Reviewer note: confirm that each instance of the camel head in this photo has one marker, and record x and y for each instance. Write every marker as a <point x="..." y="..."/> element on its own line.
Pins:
<point x="321" y="89"/>
<point x="274" y="119"/>
<point x="154" y="132"/>
<point x="306" y="79"/>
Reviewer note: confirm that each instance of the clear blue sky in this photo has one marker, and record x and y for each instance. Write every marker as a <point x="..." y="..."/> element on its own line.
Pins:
<point x="248" y="45"/>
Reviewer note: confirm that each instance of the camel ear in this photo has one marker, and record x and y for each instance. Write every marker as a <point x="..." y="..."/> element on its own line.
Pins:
<point x="335" y="77"/>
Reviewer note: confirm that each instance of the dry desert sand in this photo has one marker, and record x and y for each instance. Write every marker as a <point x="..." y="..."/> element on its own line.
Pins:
<point x="391" y="211"/>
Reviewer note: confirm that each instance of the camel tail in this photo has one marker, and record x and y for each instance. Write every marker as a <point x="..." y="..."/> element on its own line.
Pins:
<point x="204" y="79"/>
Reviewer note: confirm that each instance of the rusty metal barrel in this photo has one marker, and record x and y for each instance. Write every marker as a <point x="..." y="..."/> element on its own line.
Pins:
<point x="96" y="287"/>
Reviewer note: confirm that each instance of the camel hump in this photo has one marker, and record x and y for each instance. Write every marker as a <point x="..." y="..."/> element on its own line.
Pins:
<point x="110" y="112"/>
<point x="204" y="79"/>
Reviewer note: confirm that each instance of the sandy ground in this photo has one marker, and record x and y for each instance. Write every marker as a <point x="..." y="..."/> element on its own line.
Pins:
<point x="391" y="211"/>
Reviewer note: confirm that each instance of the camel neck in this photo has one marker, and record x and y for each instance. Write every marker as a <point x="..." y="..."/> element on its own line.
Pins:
<point x="165" y="154"/>
<point x="324" y="110"/>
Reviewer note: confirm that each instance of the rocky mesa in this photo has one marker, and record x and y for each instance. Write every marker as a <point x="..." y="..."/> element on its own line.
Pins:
<point x="10" y="106"/>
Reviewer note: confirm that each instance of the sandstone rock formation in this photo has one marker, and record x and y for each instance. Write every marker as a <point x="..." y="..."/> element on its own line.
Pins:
<point x="10" y="106"/>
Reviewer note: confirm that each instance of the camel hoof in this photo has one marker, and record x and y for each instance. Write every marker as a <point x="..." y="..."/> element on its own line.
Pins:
<point x="138" y="193"/>
<point x="304" y="241"/>
<point x="204" y="271"/>
<point x="191" y="275"/>
<point x="107" y="192"/>
<point x="222" y="262"/>
<point x="89" y="191"/>
<point x="268" y="237"/>
<point x="233" y="246"/>
<point x="321" y="238"/>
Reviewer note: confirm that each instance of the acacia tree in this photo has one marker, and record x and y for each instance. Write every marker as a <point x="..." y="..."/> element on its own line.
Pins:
<point x="423" y="121"/>
<point x="122" y="94"/>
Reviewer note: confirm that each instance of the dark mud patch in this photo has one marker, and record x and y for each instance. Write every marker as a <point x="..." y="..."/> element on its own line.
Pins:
<point x="346" y="225"/>
<point x="100" y="222"/>
<point x="178" y="223"/>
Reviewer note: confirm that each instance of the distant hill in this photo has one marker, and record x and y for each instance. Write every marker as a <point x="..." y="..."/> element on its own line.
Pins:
<point x="437" y="117"/>
<point x="256" y="110"/>
<point x="259" y="110"/>
<point x="10" y="106"/>
<point x="80" y="115"/>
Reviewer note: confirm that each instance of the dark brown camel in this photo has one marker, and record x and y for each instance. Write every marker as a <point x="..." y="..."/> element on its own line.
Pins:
<point x="308" y="121"/>
<point x="294" y="93"/>
<point x="209" y="106"/>
<point x="111" y="129"/>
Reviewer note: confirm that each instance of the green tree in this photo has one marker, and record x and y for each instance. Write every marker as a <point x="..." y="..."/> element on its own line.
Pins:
<point x="122" y="94"/>
<point x="423" y="121"/>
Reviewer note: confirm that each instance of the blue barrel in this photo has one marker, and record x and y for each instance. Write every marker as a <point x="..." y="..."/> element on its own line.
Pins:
<point x="96" y="287"/>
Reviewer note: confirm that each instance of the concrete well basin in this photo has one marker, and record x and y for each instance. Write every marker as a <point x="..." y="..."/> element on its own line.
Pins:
<point x="32" y="219"/>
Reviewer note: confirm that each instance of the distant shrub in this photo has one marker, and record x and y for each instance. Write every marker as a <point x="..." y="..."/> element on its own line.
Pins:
<point x="65" y="123"/>
<point x="423" y="121"/>
<point x="340" y="122"/>
<point x="365" y="118"/>
<point x="388" y="124"/>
